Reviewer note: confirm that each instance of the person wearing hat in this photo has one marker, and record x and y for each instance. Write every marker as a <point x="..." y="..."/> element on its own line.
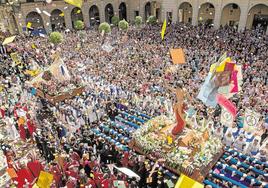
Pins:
<point x="228" y="138"/>
<point x="239" y="143"/>
<point x="252" y="148"/>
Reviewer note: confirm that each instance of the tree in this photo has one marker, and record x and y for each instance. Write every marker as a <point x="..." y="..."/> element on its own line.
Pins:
<point x="151" y="20"/>
<point x="79" y="25"/>
<point x="105" y="27"/>
<point x="55" y="37"/>
<point x="138" y="20"/>
<point x="115" y="20"/>
<point x="123" y="24"/>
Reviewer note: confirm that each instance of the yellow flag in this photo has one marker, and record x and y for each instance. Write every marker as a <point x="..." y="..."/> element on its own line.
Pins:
<point x="185" y="181"/>
<point x="61" y="14"/>
<point x="215" y="67"/>
<point x="29" y="25"/>
<point x="164" y="27"/>
<point x="77" y="3"/>
<point x="44" y="180"/>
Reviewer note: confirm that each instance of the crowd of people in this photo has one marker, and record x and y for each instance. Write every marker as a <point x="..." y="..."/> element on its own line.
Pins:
<point x="129" y="77"/>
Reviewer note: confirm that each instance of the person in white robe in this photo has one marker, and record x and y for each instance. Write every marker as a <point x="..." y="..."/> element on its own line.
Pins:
<point x="219" y="132"/>
<point x="240" y="143"/>
<point x="228" y="138"/>
<point x="252" y="148"/>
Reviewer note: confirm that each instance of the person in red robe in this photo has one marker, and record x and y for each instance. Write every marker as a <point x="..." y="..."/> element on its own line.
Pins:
<point x="2" y="111"/>
<point x="91" y="182"/>
<point x="105" y="183"/>
<point x="24" y="175"/>
<point x="57" y="173"/>
<point x="74" y="155"/>
<point x="98" y="177"/>
<point x="125" y="159"/>
<point x="70" y="165"/>
<point x="22" y="131"/>
<point x="31" y="126"/>
<point x="71" y="183"/>
<point x="35" y="168"/>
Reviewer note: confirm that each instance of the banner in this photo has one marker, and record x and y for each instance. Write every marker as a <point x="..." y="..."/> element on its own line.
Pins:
<point x="217" y="64"/>
<point x="128" y="172"/>
<point x="186" y="182"/>
<point x="228" y="105"/>
<point x="44" y="180"/>
<point x="226" y="118"/>
<point x="222" y="78"/>
<point x="251" y="119"/>
<point x="235" y="82"/>
<point x="8" y="40"/>
<point x="208" y="92"/>
<point x="177" y="56"/>
<point x="59" y="70"/>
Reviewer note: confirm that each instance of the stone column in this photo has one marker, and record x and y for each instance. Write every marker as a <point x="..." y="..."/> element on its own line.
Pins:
<point x="142" y="11"/>
<point x="243" y="18"/>
<point x="102" y="11"/>
<point x="195" y="13"/>
<point x="153" y="8"/>
<point x="175" y="12"/>
<point x="116" y="8"/>
<point x="217" y="17"/>
<point x="47" y="24"/>
<point x="85" y="11"/>
<point x="20" y="22"/>
<point x="68" y="18"/>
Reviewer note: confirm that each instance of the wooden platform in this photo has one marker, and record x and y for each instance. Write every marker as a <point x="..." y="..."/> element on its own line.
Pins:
<point x="62" y="96"/>
<point x="196" y="174"/>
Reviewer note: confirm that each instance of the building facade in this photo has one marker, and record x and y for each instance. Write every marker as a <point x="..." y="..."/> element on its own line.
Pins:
<point x="243" y="14"/>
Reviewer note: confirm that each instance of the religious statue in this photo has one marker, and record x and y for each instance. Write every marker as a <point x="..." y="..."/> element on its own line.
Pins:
<point x="178" y="109"/>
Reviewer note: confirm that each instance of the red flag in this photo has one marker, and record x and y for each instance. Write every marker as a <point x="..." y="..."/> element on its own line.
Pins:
<point x="228" y="105"/>
<point x="235" y="82"/>
<point x="229" y="66"/>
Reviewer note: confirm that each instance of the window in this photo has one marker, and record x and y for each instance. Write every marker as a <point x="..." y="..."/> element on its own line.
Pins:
<point x="29" y="1"/>
<point x="136" y="13"/>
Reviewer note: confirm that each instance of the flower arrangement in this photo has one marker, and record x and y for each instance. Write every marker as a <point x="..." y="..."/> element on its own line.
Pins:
<point x="149" y="138"/>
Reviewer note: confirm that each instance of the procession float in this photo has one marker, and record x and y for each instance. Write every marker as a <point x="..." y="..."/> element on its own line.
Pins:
<point x="182" y="145"/>
<point x="55" y="84"/>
